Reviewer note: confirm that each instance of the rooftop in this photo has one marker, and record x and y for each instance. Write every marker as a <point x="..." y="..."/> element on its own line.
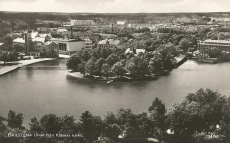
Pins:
<point x="217" y="41"/>
<point x="137" y="51"/>
<point x="120" y="22"/>
<point x="39" y="39"/>
<point x="43" y="35"/>
<point x="49" y="43"/>
<point x="111" y="41"/>
<point x="65" y="40"/>
<point x="19" y="40"/>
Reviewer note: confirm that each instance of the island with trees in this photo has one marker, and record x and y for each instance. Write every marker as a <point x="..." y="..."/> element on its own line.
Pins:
<point x="105" y="63"/>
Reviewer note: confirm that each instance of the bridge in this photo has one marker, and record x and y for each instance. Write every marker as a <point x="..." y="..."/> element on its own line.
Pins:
<point x="42" y="68"/>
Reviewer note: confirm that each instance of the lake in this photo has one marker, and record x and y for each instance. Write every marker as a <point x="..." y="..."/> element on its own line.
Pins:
<point x="38" y="92"/>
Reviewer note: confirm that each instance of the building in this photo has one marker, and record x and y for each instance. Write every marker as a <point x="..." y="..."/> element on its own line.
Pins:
<point x="82" y="23"/>
<point x="19" y="41"/>
<point x="39" y="40"/>
<point x="222" y="45"/>
<point x="108" y="43"/>
<point x="121" y="23"/>
<point x="88" y="44"/>
<point x="214" y="44"/>
<point x="34" y="34"/>
<point x="46" y="49"/>
<point x="28" y="41"/>
<point x="69" y="46"/>
<point x="46" y="36"/>
<point x="134" y="51"/>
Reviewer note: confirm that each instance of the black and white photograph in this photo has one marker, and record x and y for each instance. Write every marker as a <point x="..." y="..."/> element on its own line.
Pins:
<point x="114" y="71"/>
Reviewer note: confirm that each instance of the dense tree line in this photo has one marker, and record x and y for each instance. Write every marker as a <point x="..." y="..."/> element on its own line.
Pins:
<point x="199" y="115"/>
<point x="176" y="31"/>
<point x="8" y="56"/>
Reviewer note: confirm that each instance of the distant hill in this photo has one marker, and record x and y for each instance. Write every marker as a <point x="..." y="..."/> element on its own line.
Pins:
<point x="59" y="16"/>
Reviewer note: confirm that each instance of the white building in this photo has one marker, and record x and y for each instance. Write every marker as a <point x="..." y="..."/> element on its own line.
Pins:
<point x="108" y="43"/>
<point x="135" y="51"/>
<point x="46" y="49"/>
<point x="19" y="41"/>
<point x="88" y="44"/>
<point x="82" y="22"/>
<point x="69" y="46"/>
<point x="121" y="22"/>
<point x="39" y="40"/>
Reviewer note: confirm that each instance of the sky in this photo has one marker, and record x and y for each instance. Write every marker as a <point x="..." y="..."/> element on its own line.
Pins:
<point x="116" y="6"/>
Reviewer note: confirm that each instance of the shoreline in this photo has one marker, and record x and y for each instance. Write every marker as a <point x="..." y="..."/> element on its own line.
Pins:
<point x="6" y="69"/>
<point x="122" y="79"/>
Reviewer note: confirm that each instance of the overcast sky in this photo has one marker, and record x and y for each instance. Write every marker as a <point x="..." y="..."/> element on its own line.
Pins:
<point x="116" y="6"/>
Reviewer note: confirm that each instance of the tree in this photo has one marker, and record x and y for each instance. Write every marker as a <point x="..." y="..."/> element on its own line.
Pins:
<point x="221" y="36"/>
<point x="68" y="126"/>
<point x="35" y="126"/>
<point x="111" y="60"/>
<point x="122" y="56"/>
<point x="155" y="65"/>
<point x="225" y="121"/>
<point x="200" y="112"/>
<point x="168" y="63"/>
<point x="81" y="67"/>
<point x="105" y="70"/>
<point x="50" y="124"/>
<point x="95" y="54"/>
<point x="15" y="120"/>
<point x="99" y="64"/>
<point x="185" y="44"/>
<point x="4" y="57"/>
<point x="104" y="53"/>
<point x="73" y="62"/>
<point x="118" y="69"/>
<point x="137" y="66"/>
<point x="91" y="126"/>
<point x="18" y="48"/>
<point x="10" y="48"/>
<point x="128" y="122"/>
<point x="90" y="66"/>
<point x="109" y="51"/>
<point x="15" y="54"/>
<point x="157" y="111"/>
<point x="8" y="40"/>
<point x="112" y="131"/>
<point x="85" y="56"/>
<point x="10" y="57"/>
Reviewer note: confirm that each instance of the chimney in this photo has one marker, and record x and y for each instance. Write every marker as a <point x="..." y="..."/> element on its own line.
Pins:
<point x="112" y="28"/>
<point x="71" y="29"/>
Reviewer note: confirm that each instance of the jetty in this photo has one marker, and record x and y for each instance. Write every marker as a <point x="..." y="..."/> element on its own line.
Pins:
<point x="43" y="68"/>
<point x="179" y="60"/>
<point x="8" y="68"/>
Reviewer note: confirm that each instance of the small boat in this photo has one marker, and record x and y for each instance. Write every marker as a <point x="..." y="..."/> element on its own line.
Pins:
<point x="110" y="81"/>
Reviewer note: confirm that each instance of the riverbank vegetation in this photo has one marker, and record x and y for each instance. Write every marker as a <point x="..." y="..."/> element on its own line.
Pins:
<point x="202" y="117"/>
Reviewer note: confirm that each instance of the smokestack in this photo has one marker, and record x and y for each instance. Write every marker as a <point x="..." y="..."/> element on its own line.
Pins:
<point x="71" y="29"/>
<point x="112" y="28"/>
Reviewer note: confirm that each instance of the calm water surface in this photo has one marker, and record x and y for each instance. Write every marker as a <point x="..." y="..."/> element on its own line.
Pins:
<point x="38" y="92"/>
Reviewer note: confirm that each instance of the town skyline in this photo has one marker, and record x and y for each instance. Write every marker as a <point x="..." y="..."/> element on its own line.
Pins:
<point x="116" y="6"/>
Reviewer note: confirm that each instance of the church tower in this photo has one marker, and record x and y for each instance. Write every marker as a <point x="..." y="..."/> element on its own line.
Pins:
<point x="28" y="41"/>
